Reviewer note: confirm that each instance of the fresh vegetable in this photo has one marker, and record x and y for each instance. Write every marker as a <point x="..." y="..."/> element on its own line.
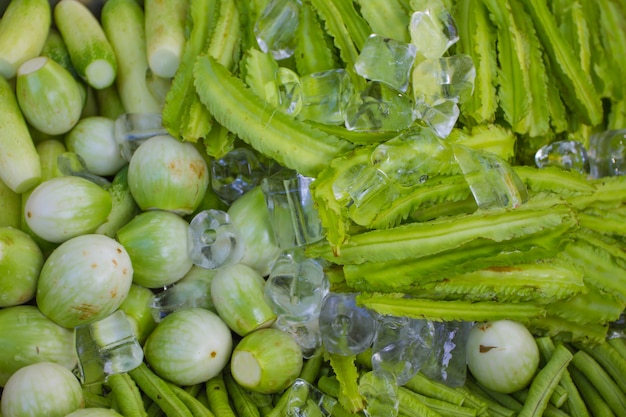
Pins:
<point x="238" y="296"/>
<point x="266" y="361"/>
<point x="123" y="22"/>
<point x="42" y="388"/>
<point x="30" y="17"/>
<point x="49" y="97"/>
<point x="189" y="346"/>
<point x="23" y="172"/>
<point x="94" y="412"/>
<point x="29" y="337"/>
<point x="92" y="138"/>
<point x="66" y="207"/>
<point x="156" y="242"/>
<point x="502" y="355"/>
<point x="167" y="174"/>
<point x="20" y="263"/>
<point x="85" y="279"/>
<point x="90" y="52"/>
<point x="165" y="35"/>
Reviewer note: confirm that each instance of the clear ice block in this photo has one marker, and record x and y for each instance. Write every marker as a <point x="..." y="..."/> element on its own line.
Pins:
<point x="432" y="28"/>
<point x="447" y="363"/>
<point x="379" y="108"/>
<point x="492" y="180"/>
<point x="449" y="77"/>
<point x="236" y="173"/>
<point x="276" y="27"/>
<point x="70" y="163"/>
<point x="106" y="347"/>
<point x="347" y="329"/>
<point x="380" y="390"/>
<point x="607" y="153"/>
<point x="325" y="96"/>
<point x="296" y="286"/>
<point x="402" y="345"/>
<point x="570" y="155"/>
<point x="307" y="334"/>
<point x="213" y="240"/>
<point x="440" y="116"/>
<point x="289" y="91"/>
<point x="193" y="290"/>
<point x="292" y="211"/>
<point x="132" y="129"/>
<point x="386" y="60"/>
<point x="305" y="400"/>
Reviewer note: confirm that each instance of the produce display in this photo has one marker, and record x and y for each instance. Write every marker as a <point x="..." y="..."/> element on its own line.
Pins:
<point x="268" y="208"/>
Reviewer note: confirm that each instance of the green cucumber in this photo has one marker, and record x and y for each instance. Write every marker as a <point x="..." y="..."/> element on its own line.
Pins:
<point x="50" y="98"/>
<point x="123" y="22"/>
<point x="20" y="169"/>
<point x="165" y="35"/>
<point x="23" y="33"/>
<point x="90" y="51"/>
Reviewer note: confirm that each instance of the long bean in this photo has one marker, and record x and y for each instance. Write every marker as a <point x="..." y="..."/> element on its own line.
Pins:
<point x="159" y="391"/>
<point x="242" y="402"/>
<point x="593" y="400"/>
<point x="194" y="405"/>
<point x="217" y="396"/>
<point x="127" y="396"/>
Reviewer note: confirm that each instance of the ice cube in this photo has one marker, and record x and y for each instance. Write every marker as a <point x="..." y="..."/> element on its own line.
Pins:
<point x="379" y="108"/>
<point x="70" y="163"/>
<point x="566" y="154"/>
<point x="106" y="347"/>
<point x="289" y="91"/>
<point x="325" y="96"/>
<point x="305" y="400"/>
<point x="491" y="179"/>
<point x="296" y="286"/>
<point x="213" y="240"/>
<point x="292" y="211"/>
<point x="447" y="362"/>
<point x="347" y="329"/>
<point x="307" y="334"/>
<point x="132" y="129"/>
<point x="402" y="345"/>
<point x="236" y="173"/>
<point x="432" y="28"/>
<point x="607" y="153"/>
<point x="386" y="60"/>
<point x="276" y="27"/>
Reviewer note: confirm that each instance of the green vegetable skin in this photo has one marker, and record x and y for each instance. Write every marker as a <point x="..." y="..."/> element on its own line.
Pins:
<point x="416" y="247"/>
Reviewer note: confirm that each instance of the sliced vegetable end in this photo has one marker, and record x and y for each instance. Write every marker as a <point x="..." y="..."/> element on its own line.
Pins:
<point x="100" y="74"/>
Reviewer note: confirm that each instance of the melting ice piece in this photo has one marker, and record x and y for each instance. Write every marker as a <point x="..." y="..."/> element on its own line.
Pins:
<point x="347" y="329"/>
<point x="236" y="173"/>
<point x="380" y="390"/>
<point x="566" y="154"/>
<point x="70" y="163"/>
<point x="292" y="211"/>
<point x="607" y="153"/>
<point x="325" y="96"/>
<point x="106" y="347"/>
<point x="401" y="346"/>
<point x="305" y="400"/>
<point x="492" y="181"/>
<point x="213" y="240"/>
<point x="296" y="286"/>
<point x="307" y="334"/>
<point x="386" y="60"/>
<point x="440" y="116"/>
<point x="379" y="108"/>
<point x="193" y="290"/>
<point x="276" y="27"/>
<point x="132" y="129"/>
<point x="449" y="77"/>
<point x="432" y="28"/>
<point x="448" y="363"/>
<point x="289" y="91"/>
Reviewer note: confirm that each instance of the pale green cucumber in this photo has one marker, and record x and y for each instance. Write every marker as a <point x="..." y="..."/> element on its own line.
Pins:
<point x="49" y="97"/>
<point x="23" y="32"/>
<point x="56" y="49"/>
<point x="10" y="207"/>
<point x="165" y="35"/>
<point x="89" y="49"/>
<point x="19" y="161"/>
<point x="123" y="22"/>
